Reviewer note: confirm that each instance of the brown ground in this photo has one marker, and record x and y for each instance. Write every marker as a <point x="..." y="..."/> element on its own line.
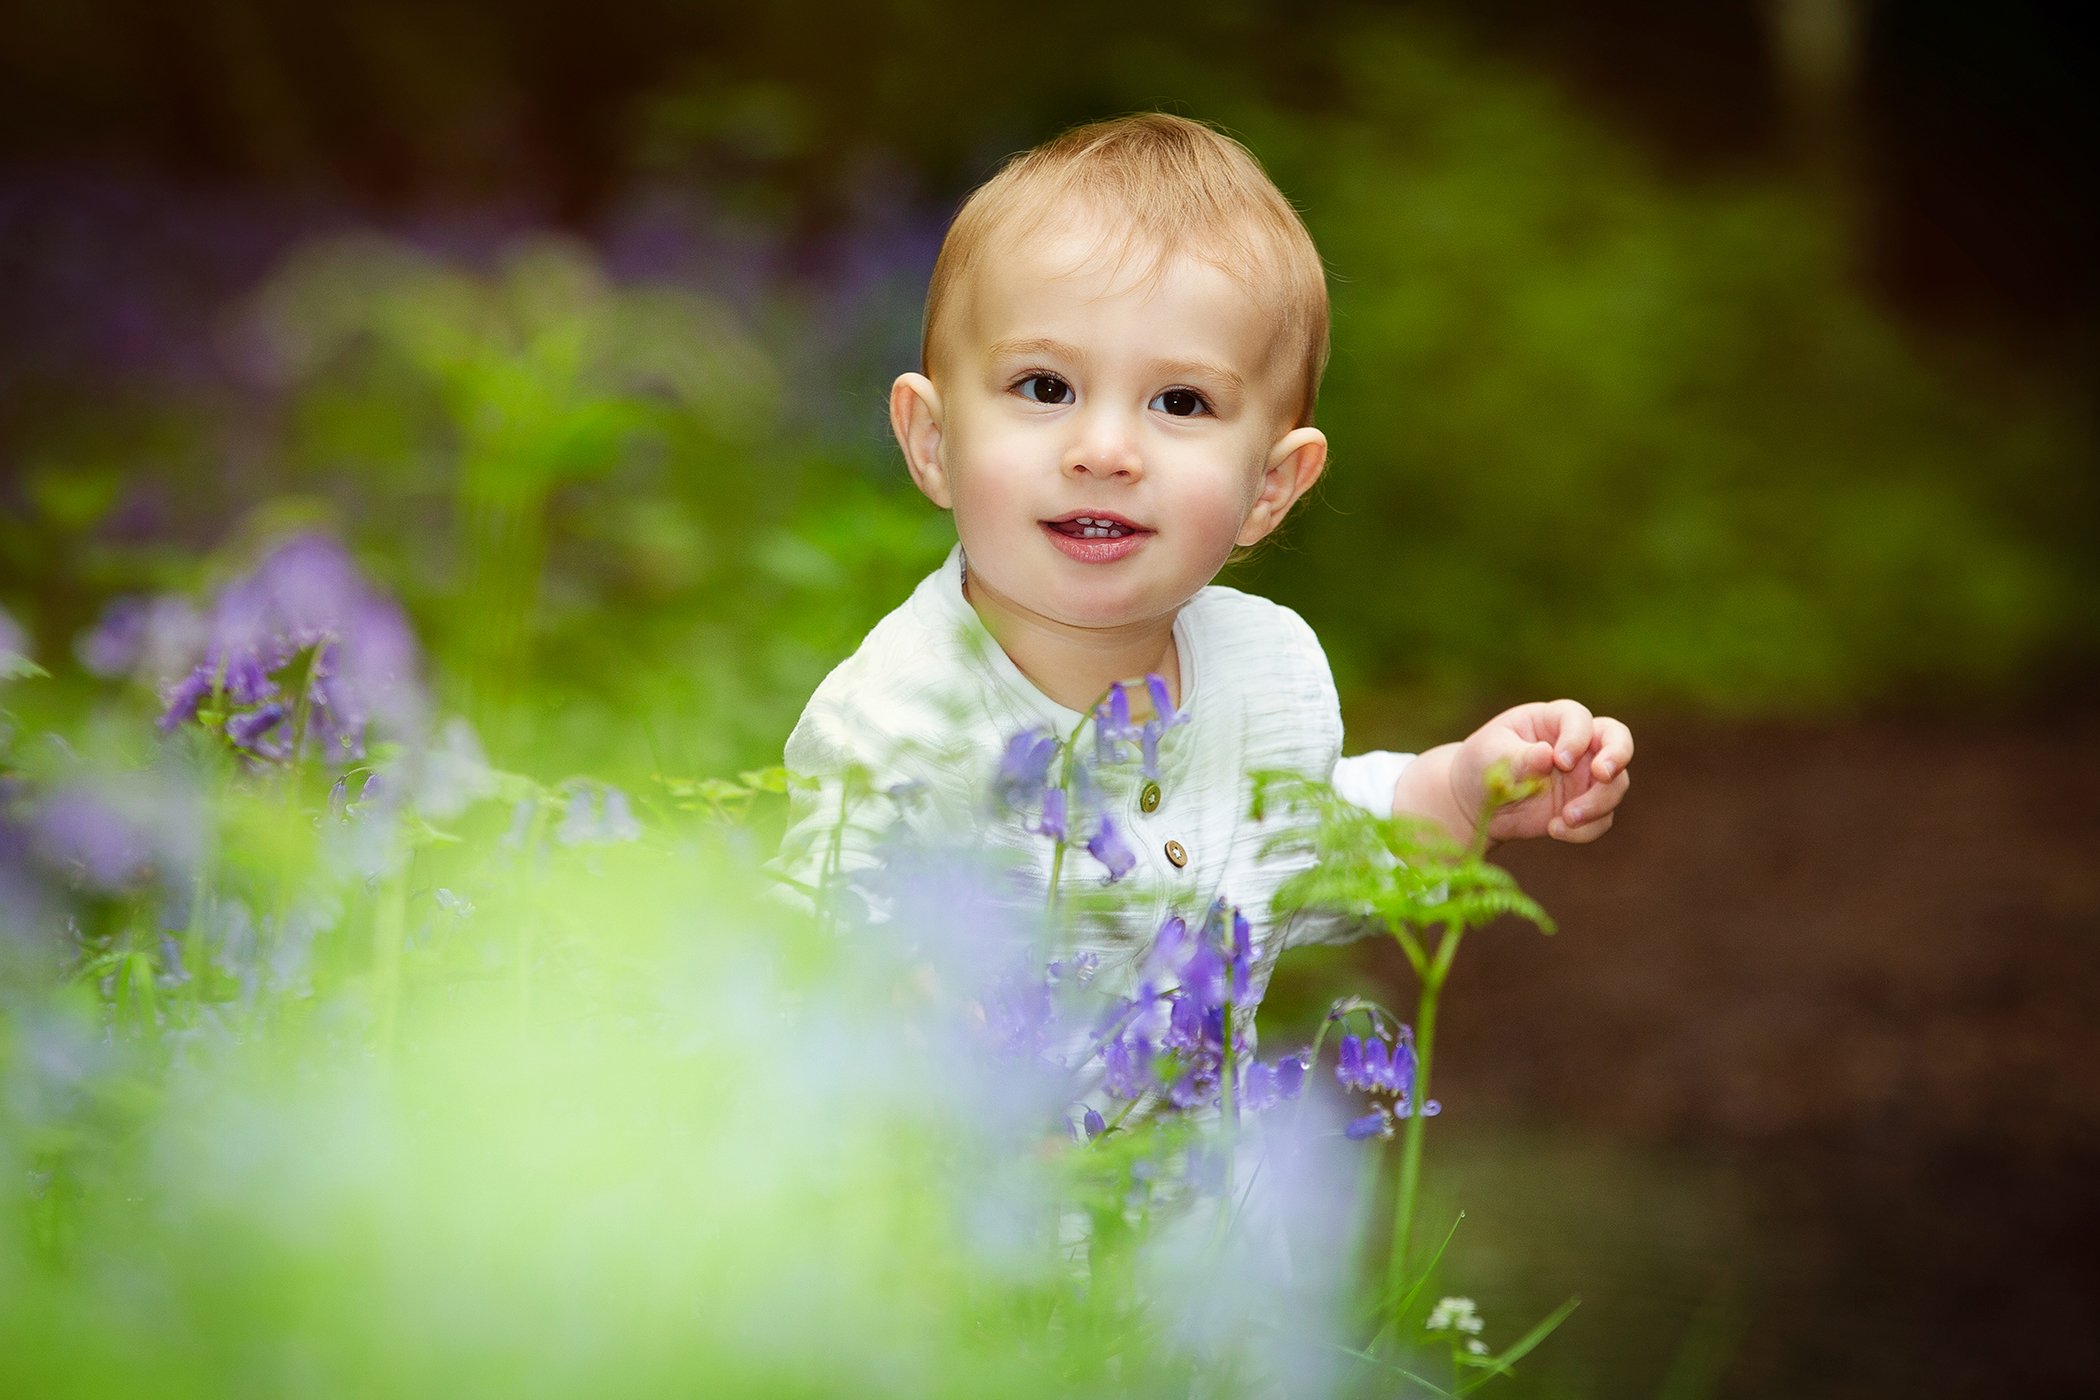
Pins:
<point x="1815" y="1056"/>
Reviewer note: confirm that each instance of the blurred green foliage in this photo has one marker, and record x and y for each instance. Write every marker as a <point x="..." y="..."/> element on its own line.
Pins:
<point x="1644" y="438"/>
<point x="1597" y="429"/>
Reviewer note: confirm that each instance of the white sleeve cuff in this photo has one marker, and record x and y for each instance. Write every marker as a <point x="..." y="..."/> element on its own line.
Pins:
<point x="1367" y="779"/>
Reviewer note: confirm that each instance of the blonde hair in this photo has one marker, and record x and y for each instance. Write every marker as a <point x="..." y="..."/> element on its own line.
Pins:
<point x="1180" y="187"/>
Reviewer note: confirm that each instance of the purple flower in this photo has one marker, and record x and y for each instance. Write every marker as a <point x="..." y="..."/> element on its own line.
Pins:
<point x="1402" y="1078"/>
<point x="304" y="609"/>
<point x="1377" y="1123"/>
<point x="1024" y="770"/>
<point x="1052" y="824"/>
<point x="1093" y="1124"/>
<point x="1162" y="705"/>
<point x="1127" y="1066"/>
<point x="1290" y="1076"/>
<point x="180" y="702"/>
<point x="112" y="835"/>
<point x="1378" y="1065"/>
<point x="1167" y="944"/>
<point x="1112" y="727"/>
<point x="596" y="815"/>
<point x="1349" y="1064"/>
<point x="264" y="732"/>
<point x="114" y="645"/>
<point x="1108" y="846"/>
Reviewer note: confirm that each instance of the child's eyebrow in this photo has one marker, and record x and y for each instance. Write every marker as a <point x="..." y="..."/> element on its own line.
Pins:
<point x="1037" y="347"/>
<point x="1042" y="347"/>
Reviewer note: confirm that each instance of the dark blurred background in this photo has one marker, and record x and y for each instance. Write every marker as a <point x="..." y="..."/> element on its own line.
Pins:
<point x="1726" y="365"/>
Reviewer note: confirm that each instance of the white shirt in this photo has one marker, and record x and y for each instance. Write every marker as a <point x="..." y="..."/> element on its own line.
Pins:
<point x="929" y="701"/>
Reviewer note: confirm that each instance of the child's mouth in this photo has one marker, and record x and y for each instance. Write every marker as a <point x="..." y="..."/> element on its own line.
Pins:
<point x="1092" y="527"/>
<point x="1091" y="537"/>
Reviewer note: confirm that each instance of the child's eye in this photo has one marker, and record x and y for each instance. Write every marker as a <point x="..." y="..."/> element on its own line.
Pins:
<point x="1044" y="388"/>
<point x="1180" y="403"/>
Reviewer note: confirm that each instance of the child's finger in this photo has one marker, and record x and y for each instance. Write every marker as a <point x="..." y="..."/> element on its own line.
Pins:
<point x="1573" y="728"/>
<point x="1535" y="761"/>
<point x="1613" y="743"/>
<point x="1599" y="801"/>
<point x="1579" y="835"/>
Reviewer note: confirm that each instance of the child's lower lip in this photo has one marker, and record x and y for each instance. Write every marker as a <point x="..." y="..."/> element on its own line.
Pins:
<point x="1097" y="551"/>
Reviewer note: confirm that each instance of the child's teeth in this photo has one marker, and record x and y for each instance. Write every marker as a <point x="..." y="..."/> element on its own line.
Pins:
<point x="1093" y="528"/>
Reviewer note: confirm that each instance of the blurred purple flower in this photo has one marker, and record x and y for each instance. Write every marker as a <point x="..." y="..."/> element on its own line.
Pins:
<point x="1114" y="730"/>
<point x="1127" y="1066"/>
<point x="1024" y="769"/>
<point x="151" y="639"/>
<point x="265" y="731"/>
<point x="303" y="607"/>
<point x="112" y="834"/>
<point x="597" y="815"/>
<point x="452" y="772"/>
<point x="1052" y="824"/>
<point x="113" y="646"/>
<point x="1108" y="846"/>
<point x="1375" y="1124"/>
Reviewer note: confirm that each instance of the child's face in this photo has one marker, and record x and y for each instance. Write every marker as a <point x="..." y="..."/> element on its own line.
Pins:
<point x="1073" y="390"/>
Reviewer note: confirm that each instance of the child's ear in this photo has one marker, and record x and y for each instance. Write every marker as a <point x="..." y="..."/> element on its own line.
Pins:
<point x="915" y="417"/>
<point x="1295" y="463"/>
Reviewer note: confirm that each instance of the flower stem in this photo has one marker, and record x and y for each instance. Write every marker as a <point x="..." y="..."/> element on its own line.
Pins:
<point x="1064" y="785"/>
<point x="1411" y="1133"/>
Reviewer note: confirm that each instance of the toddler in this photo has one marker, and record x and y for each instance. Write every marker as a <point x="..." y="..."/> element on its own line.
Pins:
<point x="1123" y="342"/>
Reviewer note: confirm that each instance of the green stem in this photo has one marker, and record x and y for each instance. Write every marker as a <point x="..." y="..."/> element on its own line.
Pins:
<point x="1411" y="1134"/>
<point x="1064" y="785"/>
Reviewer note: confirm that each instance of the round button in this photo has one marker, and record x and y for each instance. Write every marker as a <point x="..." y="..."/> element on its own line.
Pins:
<point x="1148" y="798"/>
<point x="1178" y="854"/>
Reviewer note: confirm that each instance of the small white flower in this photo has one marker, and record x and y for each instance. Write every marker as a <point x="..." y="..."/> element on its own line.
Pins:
<point x="1477" y="1347"/>
<point x="1453" y="1315"/>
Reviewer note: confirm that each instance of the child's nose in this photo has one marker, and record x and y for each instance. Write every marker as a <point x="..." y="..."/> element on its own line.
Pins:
<point x="1105" y="447"/>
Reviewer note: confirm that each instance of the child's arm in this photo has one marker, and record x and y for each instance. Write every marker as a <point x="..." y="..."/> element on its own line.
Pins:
<point x="1582" y="758"/>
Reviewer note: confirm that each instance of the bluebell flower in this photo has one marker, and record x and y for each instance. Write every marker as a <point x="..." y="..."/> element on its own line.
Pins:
<point x="114" y="834"/>
<point x="1162" y="705"/>
<point x="1108" y="846"/>
<point x="1127" y="1066"/>
<point x="1290" y="1076"/>
<point x="596" y="816"/>
<point x="1378" y="1065"/>
<point x="113" y="646"/>
<point x="1349" y="1063"/>
<point x="1093" y="1124"/>
<point x="1114" y="730"/>
<point x="1052" y="823"/>
<point x="265" y="731"/>
<point x="1167" y="943"/>
<point x="1375" y="1124"/>
<point x="1372" y="1066"/>
<point x="303" y="617"/>
<point x="1024" y="770"/>
<point x="1112" y="727"/>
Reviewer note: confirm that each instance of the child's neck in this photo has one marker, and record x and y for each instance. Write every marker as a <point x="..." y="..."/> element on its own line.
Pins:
<point x="1075" y="666"/>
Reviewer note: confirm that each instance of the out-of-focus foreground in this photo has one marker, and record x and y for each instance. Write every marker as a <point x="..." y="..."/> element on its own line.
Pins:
<point x="1725" y="372"/>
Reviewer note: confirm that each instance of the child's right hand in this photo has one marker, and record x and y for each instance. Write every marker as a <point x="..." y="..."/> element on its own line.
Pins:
<point x="1568" y="767"/>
